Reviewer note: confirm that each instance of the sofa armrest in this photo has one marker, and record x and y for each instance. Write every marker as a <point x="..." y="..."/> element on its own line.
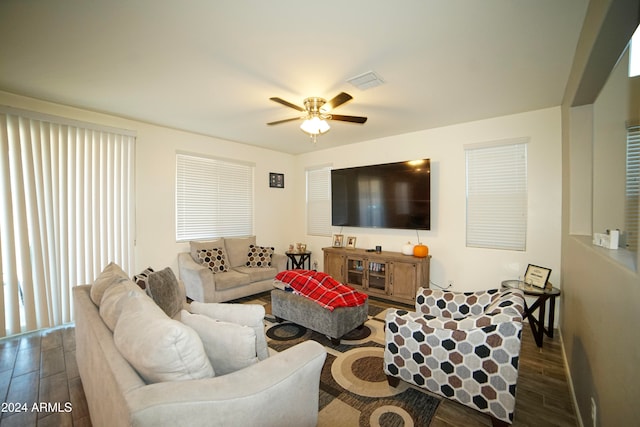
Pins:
<point x="251" y="315"/>
<point x="279" y="391"/>
<point x="279" y="262"/>
<point x="196" y="277"/>
<point x="242" y="314"/>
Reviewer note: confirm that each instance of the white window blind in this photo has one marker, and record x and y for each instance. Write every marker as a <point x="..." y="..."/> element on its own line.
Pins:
<point x="214" y="198"/>
<point x="67" y="196"/>
<point x="319" y="201"/>
<point x="632" y="192"/>
<point x="497" y="195"/>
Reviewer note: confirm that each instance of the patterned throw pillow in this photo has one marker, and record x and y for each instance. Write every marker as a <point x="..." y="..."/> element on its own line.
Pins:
<point x="215" y="259"/>
<point x="259" y="256"/>
<point x="142" y="279"/>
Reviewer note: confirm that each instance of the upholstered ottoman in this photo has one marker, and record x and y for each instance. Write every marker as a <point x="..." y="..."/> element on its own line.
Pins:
<point x="305" y="312"/>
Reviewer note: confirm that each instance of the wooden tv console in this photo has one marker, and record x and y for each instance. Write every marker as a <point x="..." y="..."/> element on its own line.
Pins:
<point x="388" y="275"/>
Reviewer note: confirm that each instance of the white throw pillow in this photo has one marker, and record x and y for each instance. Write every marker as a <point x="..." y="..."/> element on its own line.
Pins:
<point x="113" y="300"/>
<point x="111" y="274"/>
<point x="229" y="346"/>
<point x="159" y="348"/>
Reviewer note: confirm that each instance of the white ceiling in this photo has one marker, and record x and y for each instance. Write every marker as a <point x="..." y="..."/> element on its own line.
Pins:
<point x="210" y="66"/>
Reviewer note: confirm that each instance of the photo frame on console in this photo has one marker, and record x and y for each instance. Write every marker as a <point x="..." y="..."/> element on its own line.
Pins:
<point x="351" y="242"/>
<point x="337" y="240"/>
<point x="537" y="276"/>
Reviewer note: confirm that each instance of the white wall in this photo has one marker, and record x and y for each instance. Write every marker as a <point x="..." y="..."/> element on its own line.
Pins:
<point x="155" y="186"/>
<point x="280" y="213"/>
<point x="156" y="146"/>
<point x="601" y="295"/>
<point x="610" y="116"/>
<point x="468" y="268"/>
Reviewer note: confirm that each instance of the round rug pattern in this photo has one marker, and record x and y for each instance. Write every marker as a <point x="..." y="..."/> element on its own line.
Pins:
<point x="389" y="415"/>
<point x="349" y="367"/>
<point x="353" y="374"/>
<point x="286" y="332"/>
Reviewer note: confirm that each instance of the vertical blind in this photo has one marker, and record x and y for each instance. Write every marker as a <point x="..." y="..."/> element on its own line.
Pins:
<point x="319" y="201"/>
<point x="67" y="191"/>
<point x="214" y="198"/>
<point x="496" y="192"/>
<point x="632" y="189"/>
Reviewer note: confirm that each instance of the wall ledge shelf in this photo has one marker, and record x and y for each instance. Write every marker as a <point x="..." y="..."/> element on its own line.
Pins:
<point x="624" y="257"/>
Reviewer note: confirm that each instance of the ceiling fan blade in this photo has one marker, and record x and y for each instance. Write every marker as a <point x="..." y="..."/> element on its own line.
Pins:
<point x="286" y="103"/>
<point x="352" y="119"/>
<point x="283" y="121"/>
<point x="338" y="100"/>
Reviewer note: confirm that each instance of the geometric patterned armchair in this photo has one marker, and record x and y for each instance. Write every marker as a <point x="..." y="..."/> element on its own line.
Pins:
<point x="463" y="346"/>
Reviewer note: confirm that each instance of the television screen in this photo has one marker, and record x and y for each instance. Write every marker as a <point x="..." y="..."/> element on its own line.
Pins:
<point x="391" y="195"/>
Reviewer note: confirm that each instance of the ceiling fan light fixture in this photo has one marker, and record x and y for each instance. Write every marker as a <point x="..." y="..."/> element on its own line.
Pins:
<point x="315" y="125"/>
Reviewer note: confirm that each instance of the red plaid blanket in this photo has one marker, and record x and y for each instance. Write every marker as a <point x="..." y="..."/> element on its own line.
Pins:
<point x="322" y="288"/>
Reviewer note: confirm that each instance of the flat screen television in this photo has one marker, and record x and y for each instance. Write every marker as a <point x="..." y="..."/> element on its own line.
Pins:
<point x="390" y="195"/>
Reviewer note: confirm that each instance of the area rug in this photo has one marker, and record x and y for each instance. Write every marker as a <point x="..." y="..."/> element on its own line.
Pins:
<point x="353" y="387"/>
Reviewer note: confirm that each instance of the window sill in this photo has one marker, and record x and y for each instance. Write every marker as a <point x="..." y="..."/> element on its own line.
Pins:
<point x="624" y="257"/>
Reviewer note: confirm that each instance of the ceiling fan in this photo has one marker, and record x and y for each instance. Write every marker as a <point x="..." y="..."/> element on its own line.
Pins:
<point x="316" y="113"/>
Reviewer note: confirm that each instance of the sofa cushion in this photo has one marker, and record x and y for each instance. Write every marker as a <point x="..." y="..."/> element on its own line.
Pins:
<point x="159" y="348"/>
<point x="112" y="300"/>
<point x="229" y="346"/>
<point x="231" y="279"/>
<point x="237" y="249"/>
<point x="141" y="279"/>
<point x="259" y="256"/>
<point x="111" y="274"/>
<point x="195" y="246"/>
<point x="164" y="289"/>
<point x="215" y="259"/>
<point x="258" y="274"/>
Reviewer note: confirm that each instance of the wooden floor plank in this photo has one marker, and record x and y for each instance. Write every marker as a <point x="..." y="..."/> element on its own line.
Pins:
<point x="27" y="360"/>
<point x="52" y="362"/>
<point x="54" y="394"/>
<point x="24" y="389"/>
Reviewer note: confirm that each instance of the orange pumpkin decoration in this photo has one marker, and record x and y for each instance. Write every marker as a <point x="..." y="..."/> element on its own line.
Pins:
<point x="420" y="251"/>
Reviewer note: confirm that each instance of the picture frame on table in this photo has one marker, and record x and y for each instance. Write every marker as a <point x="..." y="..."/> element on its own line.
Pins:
<point x="537" y="276"/>
<point x="338" y="240"/>
<point x="351" y="242"/>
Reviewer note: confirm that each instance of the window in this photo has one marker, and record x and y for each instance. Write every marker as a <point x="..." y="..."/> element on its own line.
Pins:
<point x="497" y="195"/>
<point x="319" y="201"/>
<point x="214" y="198"/>
<point x="632" y="188"/>
<point x="67" y="196"/>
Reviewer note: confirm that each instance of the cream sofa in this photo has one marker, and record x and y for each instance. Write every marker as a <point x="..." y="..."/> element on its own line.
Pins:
<point x="238" y="281"/>
<point x="279" y="390"/>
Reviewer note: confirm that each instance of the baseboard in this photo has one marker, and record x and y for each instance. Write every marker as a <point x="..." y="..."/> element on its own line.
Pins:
<point x="570" y="381"/>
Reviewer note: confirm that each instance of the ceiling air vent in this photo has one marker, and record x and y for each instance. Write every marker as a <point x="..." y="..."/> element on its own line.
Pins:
<point x="366" y="80"/>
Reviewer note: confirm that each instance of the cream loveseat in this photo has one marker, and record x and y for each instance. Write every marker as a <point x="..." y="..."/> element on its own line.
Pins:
<point x="245" y="269"/>
<point x="140" y="367"/>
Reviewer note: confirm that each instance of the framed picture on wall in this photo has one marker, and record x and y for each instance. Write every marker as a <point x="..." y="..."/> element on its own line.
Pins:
<point x="276" y="180"/>
<point x="537" y="276"/>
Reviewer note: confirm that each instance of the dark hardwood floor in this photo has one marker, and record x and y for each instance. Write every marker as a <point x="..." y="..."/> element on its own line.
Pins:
<point x="40" y="369"/>
<point x="39" y="380"/>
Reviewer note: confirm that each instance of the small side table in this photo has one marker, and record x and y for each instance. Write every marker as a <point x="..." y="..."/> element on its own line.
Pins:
<point x="297" y="260"/>
<point x="537" y="324"/>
